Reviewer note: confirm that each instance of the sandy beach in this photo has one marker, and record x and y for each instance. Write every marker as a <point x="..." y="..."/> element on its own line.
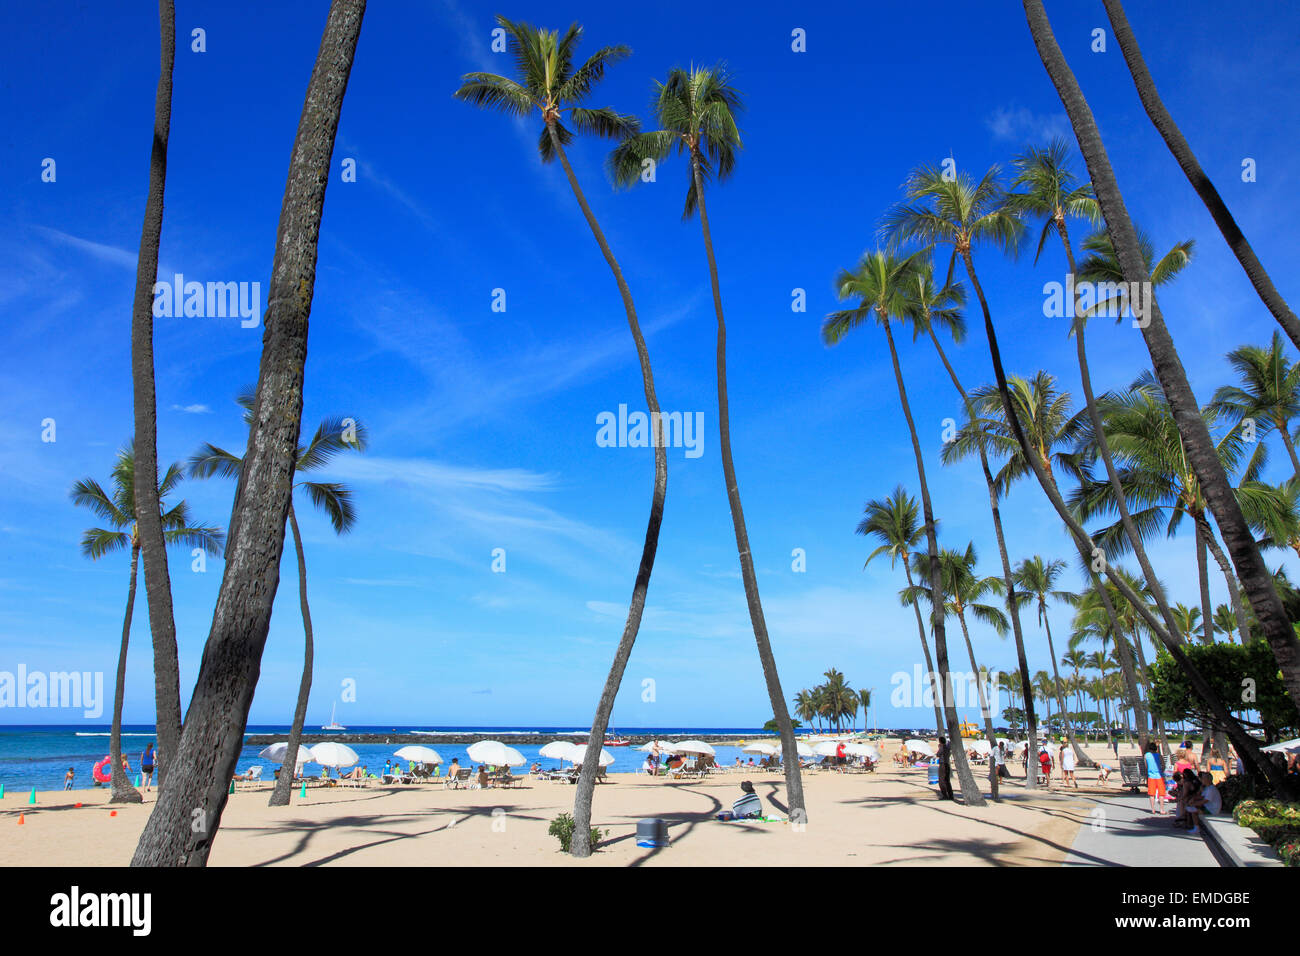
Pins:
<point x="889" y="817"/>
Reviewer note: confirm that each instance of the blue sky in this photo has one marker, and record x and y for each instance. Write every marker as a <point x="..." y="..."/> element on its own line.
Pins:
<point x="483" y="423"/>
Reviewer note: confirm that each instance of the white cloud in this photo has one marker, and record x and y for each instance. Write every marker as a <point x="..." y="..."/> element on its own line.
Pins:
<point x="193" y="409"/>
<point x="1024" y="125"/>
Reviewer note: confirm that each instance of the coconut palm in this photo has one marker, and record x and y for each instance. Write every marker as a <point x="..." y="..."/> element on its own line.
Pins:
<point x="882" y="284"/>
<point x="1077" y="661"/>
<point x="212" y="736"/>
<point x="864" y="697"/>
<point x="118" y="508"/>
<point x="804" y="709"/>
<point x="1156" y="476"/>
<point x="1269" y="393"/>
<point x="1225" y="621"/>
<point x="1038" y="583"/>
<point x="940" y="307"/>
<point x="153" y="550"/>
<point x="333" y="435"/>
<point x="893" y="522"/>
<point x="549" y="84"/>
<point x="1255" y="577"/>
<point x="696" y="111"/>
<point x="1182" y="151"/>
<point x="963" y="591"/>
<point x="1115" y="624"/>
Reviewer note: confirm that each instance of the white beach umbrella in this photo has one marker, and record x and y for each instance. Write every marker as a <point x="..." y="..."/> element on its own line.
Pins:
<point x="419" y="754"/>
<point x="920" y="747"/>
<point x="980" y="746"/>
<point x="495" y="753"/>
<point x="862" y="750"/>
<point x="1283" y="746"/>
<point x="665" y="746"/>
<point x="332" y="754"/>
<point x="693" y="747"/>
<point x="276" y="752"/>
<point x="580" y="753"/>
<point x="558" y="750"/>
<point x="803" y="749"/>
<point x="827" y="748"/>
<point x="764" y="747"/>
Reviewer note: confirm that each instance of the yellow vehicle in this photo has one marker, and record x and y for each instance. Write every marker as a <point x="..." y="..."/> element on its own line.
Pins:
<point x="969" y="730"/>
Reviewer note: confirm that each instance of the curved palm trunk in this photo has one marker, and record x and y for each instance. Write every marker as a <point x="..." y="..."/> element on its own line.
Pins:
<point x="1254" y="575"/>
<point x="984" y="708"/>
<point x="123" y="792"/>
<point x="970" y="792"/>
<point x="1290" y="446"/>
<point x="1127" y="668"/>
<point x="157" y="583"/>
<point x="1013" y="606"/>
<point x="1234" y="595"/>
<point x="1083" y="759"/>
<point x="580" y="845"/>
<point x="789" y="751"/>
<point x="925" y="649"/>
<point x="1173" y="137"/>
<point x="284" y="784"/>
<point x="184" y="823"/>
<point x="1159" y="723"/>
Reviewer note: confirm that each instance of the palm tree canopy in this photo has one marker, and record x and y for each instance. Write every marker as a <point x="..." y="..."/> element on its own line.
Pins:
<point x="118" y="510"/>
<point x="1047" y="188"/>
<point x="895" y="522"/>
<point x="957" y="210"/>
<point x="1102" y="267"/>
<point x="1270" y="386"/>
<point x="1036" y="580"/>
<point x="884" y="285"/>
<point x="964" y="590"/>
<point x="696" y="111"/>
<point x="547" y="81"/>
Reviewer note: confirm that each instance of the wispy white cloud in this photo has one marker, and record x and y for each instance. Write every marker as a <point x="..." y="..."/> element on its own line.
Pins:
<point x="437" y="475"/>
<point x="193" y="409"/>
<point x="104" y="252"/>
<point x="1021" y="125"/>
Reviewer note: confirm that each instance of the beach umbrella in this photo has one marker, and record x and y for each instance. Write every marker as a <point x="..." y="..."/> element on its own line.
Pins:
<point x="605" y="758"/>
<point x="764" y="747"/>
<point x="275" y="753"/>
<point x="920" y="747"/>
<point x="1283" y="746"/>
<point x="862" y="750"/>
<point x="557" y="750"/>
<point x="665" y="746"/>
<point x="419" y="754"/>
<point x="980" y="746"/>
<point x="803" y="749"/>
<point x="495" y="754"/>
<point x="331" y="754"/>
<point x="693" y="747"/>
<point x="826" y="748"/>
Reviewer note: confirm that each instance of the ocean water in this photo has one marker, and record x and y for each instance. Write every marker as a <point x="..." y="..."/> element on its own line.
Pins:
<point x="39" y="756"/>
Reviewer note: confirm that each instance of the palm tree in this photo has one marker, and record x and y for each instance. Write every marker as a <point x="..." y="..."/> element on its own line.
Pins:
<point x="333" y="435"/>
<point x="1095" y="620"/>
<point x="941" y="307"/>
<point x="893" y="522"/>
<point x="548" y="83"/>
<point x="1037" y="579"/>
<point x="864" y="696"/>
<point x="1156" y="475"/>
<point x="1077" y="661"/>
<point x="1254" y="575"/>
<point x="1225" y="621"/>
<point x="963" y="590"/>
<point x="804" y="709"/>
<point x="212" y="736"/>
<point x="1178" y="145"/>
<point x="1269" y="392"/>
<point x="157" y="582"/>
<point x="118" y="509"/>
<point x="696" y="110"/>
<point x="882" y="285"/>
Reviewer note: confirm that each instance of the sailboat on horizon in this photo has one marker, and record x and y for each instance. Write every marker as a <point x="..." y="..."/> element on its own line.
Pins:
<point x="333" y="724"/>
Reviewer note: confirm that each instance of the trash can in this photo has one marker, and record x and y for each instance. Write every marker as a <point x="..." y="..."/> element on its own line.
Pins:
<point x="652" y="832"/>
<point x="934" y="773"/>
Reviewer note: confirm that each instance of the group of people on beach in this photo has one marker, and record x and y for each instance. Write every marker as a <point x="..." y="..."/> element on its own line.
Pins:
<point x="1192" y="789"/>
<point x="148" y="761"/>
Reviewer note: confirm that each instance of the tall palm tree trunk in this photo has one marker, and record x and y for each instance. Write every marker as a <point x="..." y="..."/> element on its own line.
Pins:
<point x="157" y="583"/>
<point x="123" y="792"/>
<point x="1203" y="581"/>
<point x="284" y="783"/>
<point x="1254" y="575"/>
<point x="1221" y="559"/>
<point x="1143" y="673"/>
<point x="1173" y="137"/>
<point x="989" y="732"/>
<point x="1008" y="580"/>
<point x="970" y="792"/>
<point x="184" y="822"/>
<point x="789" y="750"/>
<point x="1083" y="758"/>
<point x="925" y="649"/>
<point x="580" y="846"/>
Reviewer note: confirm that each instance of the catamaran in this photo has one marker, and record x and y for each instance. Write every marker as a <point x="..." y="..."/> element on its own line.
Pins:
<point x="333" y="724"/>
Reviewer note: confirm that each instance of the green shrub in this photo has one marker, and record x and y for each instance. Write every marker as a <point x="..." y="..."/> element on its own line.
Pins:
<point x="562" y="829"/>
<point x="1273" y="831"/>
<point x="1289" y="851"/>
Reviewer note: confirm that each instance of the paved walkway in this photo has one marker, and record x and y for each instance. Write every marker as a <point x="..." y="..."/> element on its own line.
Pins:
<point x="1122" y="831"/>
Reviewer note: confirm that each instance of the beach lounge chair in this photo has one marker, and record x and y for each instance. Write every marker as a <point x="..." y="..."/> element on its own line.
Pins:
<point x="459" y="779"/>
<point x="251" y="777"/>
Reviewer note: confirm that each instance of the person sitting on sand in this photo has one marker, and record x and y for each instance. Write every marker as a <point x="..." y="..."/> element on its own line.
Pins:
<point x="749" y="805"/>
<point x="484" y="781"/>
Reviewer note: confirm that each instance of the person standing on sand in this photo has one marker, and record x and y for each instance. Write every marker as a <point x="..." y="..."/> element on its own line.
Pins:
<point x="146" y="767"/>
<point x="1067" y="766"/>
<point x="945" y="770"/>
<point x="1155" y="778"/>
